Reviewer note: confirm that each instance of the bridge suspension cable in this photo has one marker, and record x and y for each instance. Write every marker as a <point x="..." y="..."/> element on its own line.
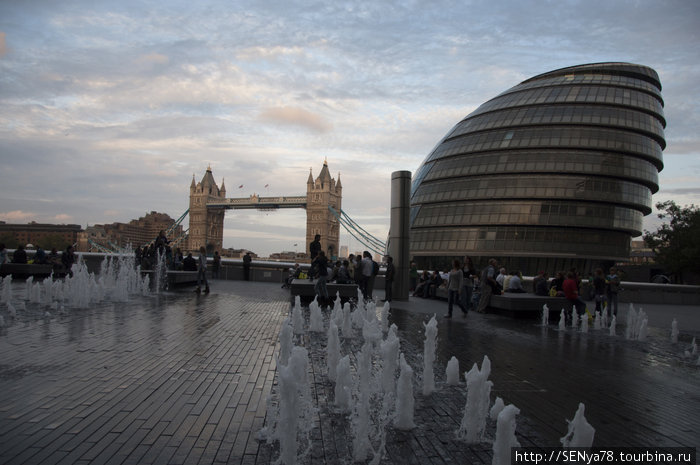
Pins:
<point x="177" y="223"/>
<point x="99" y="246"/>
<point x="172" y="228"/>
<point x="359" y="233"/>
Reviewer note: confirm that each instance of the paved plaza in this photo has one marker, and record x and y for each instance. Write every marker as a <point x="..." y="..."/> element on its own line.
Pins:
<point x="180" y="378"/>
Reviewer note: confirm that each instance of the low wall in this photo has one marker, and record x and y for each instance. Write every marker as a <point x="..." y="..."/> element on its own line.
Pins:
<point x="277" y="272"/>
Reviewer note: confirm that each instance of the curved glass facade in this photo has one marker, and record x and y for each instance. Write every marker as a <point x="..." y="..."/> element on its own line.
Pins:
<point x="555" y="172"/>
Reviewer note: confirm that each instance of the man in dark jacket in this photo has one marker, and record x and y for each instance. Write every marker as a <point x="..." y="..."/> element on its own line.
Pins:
<point x="314" y="249"/>
<point x="20" y="255"/>
<point x="67" y="259"/>
<point x="189" y="263"/>
<point x="321" y="265"/>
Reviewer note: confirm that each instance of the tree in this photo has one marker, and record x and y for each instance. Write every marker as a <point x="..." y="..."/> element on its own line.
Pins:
<point x="9" y="240"/>
<point x="677" y="242"/>
<point x="53" y="240"/>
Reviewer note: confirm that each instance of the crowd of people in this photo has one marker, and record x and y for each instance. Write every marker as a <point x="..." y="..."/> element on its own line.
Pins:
<point x="462" y="284"/>
<point x="352" y="270"/>
<point x="61" y="263"/>
<point x="159" y="249"/>
<point x="467" y="289"/>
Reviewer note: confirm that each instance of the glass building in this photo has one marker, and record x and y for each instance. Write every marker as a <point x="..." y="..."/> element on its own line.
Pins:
<point x="556" y="172"/>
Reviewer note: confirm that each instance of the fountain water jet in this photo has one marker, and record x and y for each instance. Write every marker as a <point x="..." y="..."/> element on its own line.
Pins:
<point x="477" y="407"/>
<point x="562" y="320"/>
<point x="498" y="406"/>
<point x="505" y="435"/>
<point x="346" y="326"/>
<point x="404" y="397"/>
<point x="613" y="323"/>
<point x="385" y="317"/>
<point x="580" y="433"/>
<point x="315" y="317"/>
<point x="361" y="417"/>
<point x="295" y="411"/>
<point x="343" y="385"/>
<point x="452" y="371"/>
<point x="297" y="320"/>
<point x="545" y="315"/>
<point x="332" y="351"/>
<point x="429" y="356"/>
<point x="286" y="342"/>
<point x="389" y="350"/>
<point x="674" y="331"/>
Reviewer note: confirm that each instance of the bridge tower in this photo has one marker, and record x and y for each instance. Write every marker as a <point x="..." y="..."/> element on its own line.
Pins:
<point x="206" y="225"/>
<point x="321" y="193"/>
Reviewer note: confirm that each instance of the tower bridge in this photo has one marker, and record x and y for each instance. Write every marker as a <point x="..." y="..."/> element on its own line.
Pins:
<point x="208" y="204"/>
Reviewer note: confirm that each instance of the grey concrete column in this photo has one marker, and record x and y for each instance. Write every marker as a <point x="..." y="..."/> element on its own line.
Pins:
<point x="398" y="233"/>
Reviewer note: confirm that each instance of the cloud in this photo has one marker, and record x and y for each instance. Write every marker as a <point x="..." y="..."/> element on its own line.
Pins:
<point x="258" y="53"/>
<point x="17" y="216"/>
<point x="155" y="58"/>
<point x="293" y="116"/>
<point x="681" y="191"/>
<point x="62" y="218"/>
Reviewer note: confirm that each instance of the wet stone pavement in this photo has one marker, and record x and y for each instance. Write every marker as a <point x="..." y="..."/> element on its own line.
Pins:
<point x="180" y="378"/>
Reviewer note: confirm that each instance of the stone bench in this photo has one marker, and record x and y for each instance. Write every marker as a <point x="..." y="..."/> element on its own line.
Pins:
<point x="24" y="270"/>
<point x="527" y="305"/>
<point x="175" y="277"/>
<point x="521" y="304"/>
<point x="305" y="290"/>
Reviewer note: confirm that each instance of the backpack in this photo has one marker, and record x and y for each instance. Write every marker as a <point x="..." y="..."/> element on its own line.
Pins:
<point x="375" y="268"/>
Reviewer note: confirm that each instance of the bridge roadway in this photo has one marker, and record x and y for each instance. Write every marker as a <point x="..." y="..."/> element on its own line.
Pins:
<point x="255" y="201"/>
<point x="183" y="379"/>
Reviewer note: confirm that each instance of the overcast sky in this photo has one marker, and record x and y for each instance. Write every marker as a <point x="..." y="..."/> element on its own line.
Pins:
<point x="108" y="108"/>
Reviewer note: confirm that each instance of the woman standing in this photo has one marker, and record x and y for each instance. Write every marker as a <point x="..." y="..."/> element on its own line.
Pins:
<point x="599" y="290"/>
<point x="454" y="286"/>
<point x="468" y="272"/>
<point x="202" y="271"/>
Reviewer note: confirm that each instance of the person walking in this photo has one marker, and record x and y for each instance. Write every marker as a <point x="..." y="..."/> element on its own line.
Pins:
<point x="571" y="293"/>
<point x="599" y="290"/>
<point x="202" y="271"/>
<point x="613" y="287"/>
<point x="468" y="274"/>
<point x="246" y="266"/>
<point x="413" y="276"/>
<point x="216" y="265"/>
<point x="389" y="279"/>
<point x="366" y="273"/>
<point x="455" y="281"/>
<point x="488" y="284"/>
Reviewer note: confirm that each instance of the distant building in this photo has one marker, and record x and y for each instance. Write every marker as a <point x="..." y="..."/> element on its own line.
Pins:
<point x="123" y="235"/>
<point x="237" y="253"/>
<point x="39" y="233"/>
<point x="343" y="251"/>
<point x="556" y="172"/>
<point x="641" y="254"/>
